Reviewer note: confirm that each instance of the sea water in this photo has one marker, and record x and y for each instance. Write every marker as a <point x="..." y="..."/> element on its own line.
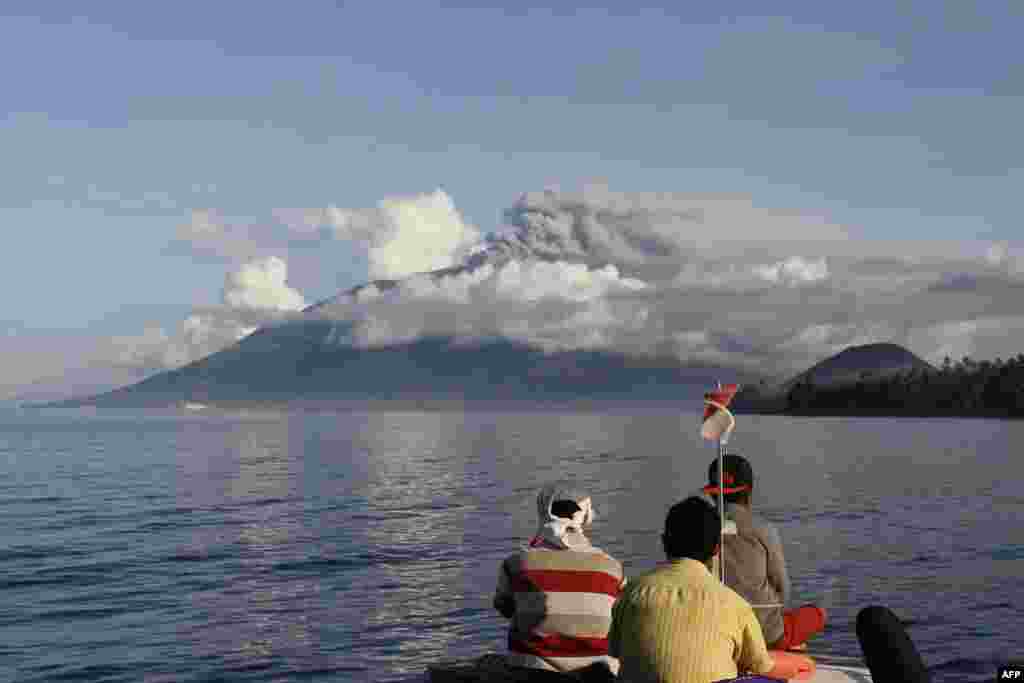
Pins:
<point x="363" y="546"/>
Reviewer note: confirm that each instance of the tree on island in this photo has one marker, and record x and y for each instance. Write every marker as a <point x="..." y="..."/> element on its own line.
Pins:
<point x="965" y="389"/>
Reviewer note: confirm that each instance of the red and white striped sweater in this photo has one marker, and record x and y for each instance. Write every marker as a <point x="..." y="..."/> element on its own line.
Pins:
<point x="563" y="606"/>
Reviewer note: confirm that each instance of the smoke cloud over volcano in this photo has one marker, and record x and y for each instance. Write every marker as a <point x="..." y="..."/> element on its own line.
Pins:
<point x="707" y="279"/>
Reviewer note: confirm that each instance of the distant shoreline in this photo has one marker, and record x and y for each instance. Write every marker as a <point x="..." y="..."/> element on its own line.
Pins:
<point x="988" y="395"/>
<point x="596" y="406"/>
<point x="874" y="380"/>
<point x="918" y="415"/>
<point x="685" y="406"/>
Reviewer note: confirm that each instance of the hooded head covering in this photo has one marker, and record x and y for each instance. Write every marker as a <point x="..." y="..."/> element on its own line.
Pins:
<point x="560" y="532"/>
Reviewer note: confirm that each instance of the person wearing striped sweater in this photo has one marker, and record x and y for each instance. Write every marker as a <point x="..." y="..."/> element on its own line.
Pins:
<point x="558" y="592"/>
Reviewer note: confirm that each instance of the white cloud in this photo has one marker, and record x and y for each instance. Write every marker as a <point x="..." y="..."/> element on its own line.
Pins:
<point x="198" y="336"/>
<point x="1005" y="259"/>
<point x="533" y="281"/>
<point x="459" y="287"/>
<point x="650" y="236"/>
<point x="794" y="271"/>
<point x="261" y="286"/>
<point x="739" y="276"/>
<point x="257" y="293"/>
<point x="553" y="302"/>
<point x="515" y="281"/>
<point x="373" y="331"/>
<point x="401" y="235"/>
<point x="598" y="324"/>
<point x="983" y="338"/>
<point x="996" y="254"/>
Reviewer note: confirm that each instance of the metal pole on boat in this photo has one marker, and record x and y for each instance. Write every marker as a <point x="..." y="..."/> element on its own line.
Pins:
<point x="721" y="502"/>
<point x="719" y="433"/>
<point x="722" y="440"/>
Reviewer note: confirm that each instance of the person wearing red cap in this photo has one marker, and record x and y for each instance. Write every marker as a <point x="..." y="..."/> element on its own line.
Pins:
<point x="755" y="565"/>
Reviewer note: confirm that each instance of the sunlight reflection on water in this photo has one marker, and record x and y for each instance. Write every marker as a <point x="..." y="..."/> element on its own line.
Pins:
<point x="366" y="546"/>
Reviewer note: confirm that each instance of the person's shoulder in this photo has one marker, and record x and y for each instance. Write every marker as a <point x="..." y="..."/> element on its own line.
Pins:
<point x="606" y="555"/>
<point x="600" y="560"/>
<point x="736" y="603"/>
<point x="649" y="577"/>
<point x="764" y="526"/>
<point x="515" y="560"/>
<point x="769" y="531"/>
<point x="639" y="588"/>
<point x="760" y="520"/>
<point x="730" y="595"/>
<point x="655" y="578"/>
<point x="667" y="585"/>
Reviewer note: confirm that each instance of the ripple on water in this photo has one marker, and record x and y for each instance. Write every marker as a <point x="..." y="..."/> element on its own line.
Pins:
<point x="34" y="500"/>
<point x="40" y="552"/>
<point x="1013" y="552"/>
<point x="385" y="557"/>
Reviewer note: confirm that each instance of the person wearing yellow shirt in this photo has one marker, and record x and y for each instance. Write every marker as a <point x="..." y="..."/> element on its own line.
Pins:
<point x="678" y="623"/>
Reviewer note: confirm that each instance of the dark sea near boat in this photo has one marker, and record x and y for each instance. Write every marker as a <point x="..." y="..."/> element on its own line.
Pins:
<point x="363" y="546"/>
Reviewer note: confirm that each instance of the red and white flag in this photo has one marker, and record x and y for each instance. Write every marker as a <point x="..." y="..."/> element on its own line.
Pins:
<point x="718" y="421"/>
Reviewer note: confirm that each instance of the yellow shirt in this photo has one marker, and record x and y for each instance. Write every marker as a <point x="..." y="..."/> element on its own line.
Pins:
<point x="680" y="624"/>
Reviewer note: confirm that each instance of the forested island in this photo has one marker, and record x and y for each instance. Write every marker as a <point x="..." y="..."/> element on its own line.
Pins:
<point x="966" y="388"/>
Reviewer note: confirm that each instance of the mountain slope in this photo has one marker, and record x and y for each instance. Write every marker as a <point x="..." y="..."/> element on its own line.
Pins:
<point x="299" y="362"/>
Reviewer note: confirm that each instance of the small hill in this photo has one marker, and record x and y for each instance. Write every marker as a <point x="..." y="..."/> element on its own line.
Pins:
<point x="859" y="362"/>
<point x="866" y="362"/>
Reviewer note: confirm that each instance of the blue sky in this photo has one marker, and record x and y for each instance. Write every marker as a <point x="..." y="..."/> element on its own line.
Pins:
<point x="120" y="118"/>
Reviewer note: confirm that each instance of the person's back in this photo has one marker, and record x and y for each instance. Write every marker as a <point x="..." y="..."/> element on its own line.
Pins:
<point x="755" y="564"/>
<point x="678" y="623"/>
<point x="755" y="568"/>
<point x="558" y="592"/>
<point x="563" y="603"/>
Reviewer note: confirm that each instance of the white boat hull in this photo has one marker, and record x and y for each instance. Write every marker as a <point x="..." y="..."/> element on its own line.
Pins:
<point x="490" y="669"/>
<point x="832" y="669"/>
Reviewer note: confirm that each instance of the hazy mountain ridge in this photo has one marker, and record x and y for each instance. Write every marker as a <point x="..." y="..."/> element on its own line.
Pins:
<point x="299" y="362"/>
<point x="302" y="363"/>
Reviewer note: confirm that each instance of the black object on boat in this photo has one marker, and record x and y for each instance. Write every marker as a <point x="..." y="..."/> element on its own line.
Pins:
<point x="888" y="651"/>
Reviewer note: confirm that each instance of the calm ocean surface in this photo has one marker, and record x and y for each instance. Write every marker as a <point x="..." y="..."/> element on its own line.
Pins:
<point x="363" y="546"/>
